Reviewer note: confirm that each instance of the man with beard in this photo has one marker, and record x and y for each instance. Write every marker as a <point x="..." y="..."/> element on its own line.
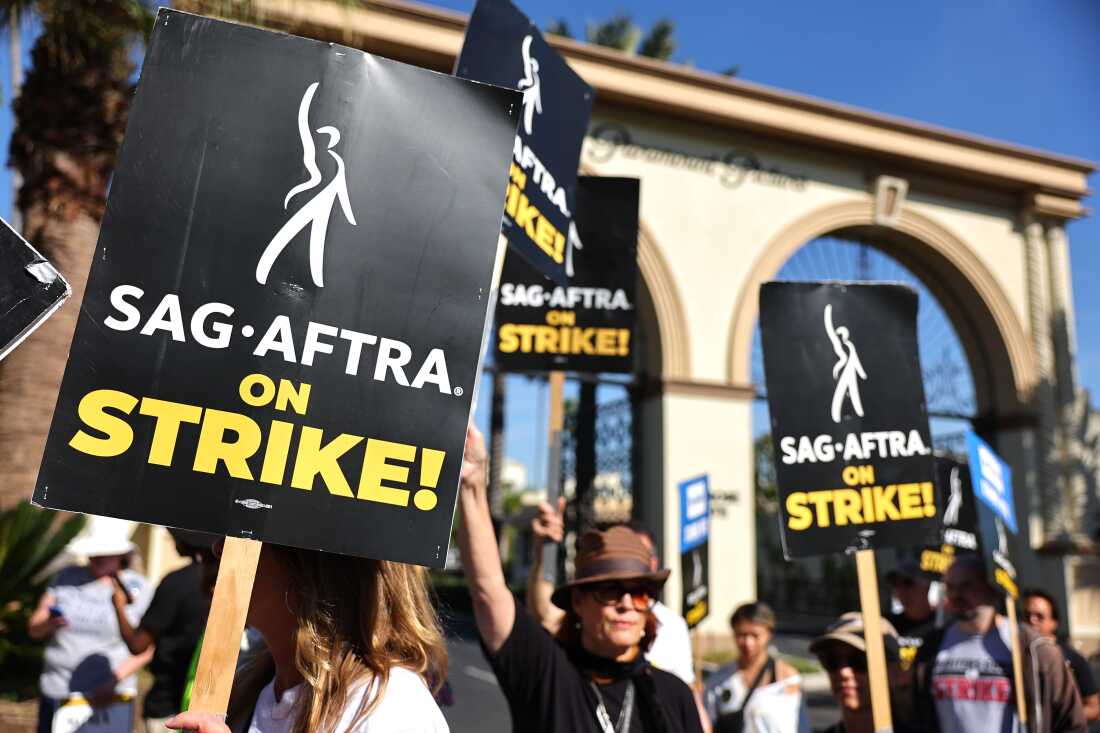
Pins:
<point x="963" y="673"/>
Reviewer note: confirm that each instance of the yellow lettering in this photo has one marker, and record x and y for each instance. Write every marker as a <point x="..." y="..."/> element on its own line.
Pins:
<point x="213" y="447"/>
<point x="909" y="501"/>
<point x="376" y="470"/>
<point x="298" y="399"/>
<point x="847" y="507"/>
<point x="169" y="415"/>
<point x="509" y="342"/>
<point x="820" y="500"/>
<point x="92" y="413"/>
<point x="884" y="503"/>
<point x="313" y="459"/>
<point x="799" y="516"/>
<point x="278" y="449"/>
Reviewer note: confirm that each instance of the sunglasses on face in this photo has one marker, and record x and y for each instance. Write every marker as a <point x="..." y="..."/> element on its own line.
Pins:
<point x="642" y="596"/>
<point x="836" y="660"/>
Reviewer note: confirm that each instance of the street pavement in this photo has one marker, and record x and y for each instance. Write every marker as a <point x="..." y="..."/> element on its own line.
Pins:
<point x="479" y="706"/>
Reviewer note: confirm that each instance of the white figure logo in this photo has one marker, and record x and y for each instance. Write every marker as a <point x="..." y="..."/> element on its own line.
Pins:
<point x="696" y="570"/>
<point x="530" y="86"/>
<point x="848" y="370"/>
<point x="316" y="212"/>
<point x="1002" y="537"/>
<point x="954" y="502"/>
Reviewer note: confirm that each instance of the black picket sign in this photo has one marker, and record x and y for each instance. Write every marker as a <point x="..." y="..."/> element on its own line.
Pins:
<point x="959" y="531"/>
<point x="30" y="289"/>
<point x="504" y="47"/>
<point x="587" y="326"/>
<point x="282" y="326"/>
<point x="853" y="453"/>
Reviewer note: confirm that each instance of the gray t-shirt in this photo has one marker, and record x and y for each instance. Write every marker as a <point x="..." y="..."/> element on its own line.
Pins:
<point x="972" y="682"/>
<point x="82" y="655"/>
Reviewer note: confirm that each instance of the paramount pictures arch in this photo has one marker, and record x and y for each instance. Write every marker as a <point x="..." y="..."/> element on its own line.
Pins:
<point x="735" y="178"/>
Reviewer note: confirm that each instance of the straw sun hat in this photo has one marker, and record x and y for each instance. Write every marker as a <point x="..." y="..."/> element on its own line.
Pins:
<point x="615" y="554"/>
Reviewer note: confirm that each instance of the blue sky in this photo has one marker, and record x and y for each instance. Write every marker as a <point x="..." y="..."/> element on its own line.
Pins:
<point x="1023" y="71"/>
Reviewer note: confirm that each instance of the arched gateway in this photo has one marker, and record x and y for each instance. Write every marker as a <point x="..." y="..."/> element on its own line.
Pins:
<point x="735" y="178"/>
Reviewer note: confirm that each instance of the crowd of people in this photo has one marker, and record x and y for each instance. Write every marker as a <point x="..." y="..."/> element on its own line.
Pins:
<point x="352" y="645"/>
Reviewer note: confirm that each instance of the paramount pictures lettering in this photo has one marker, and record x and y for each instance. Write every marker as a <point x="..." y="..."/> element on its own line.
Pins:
<point x="732" y="168"/>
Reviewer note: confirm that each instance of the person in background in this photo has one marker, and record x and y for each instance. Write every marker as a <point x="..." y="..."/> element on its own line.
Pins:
<point x="917" y="617"/>
<point x="85" y="654"/>
<point x="173" y="624"/>
<point x="758" y="692"/>
<point x="963" y="674"/>
<point x="671" y="650"/>
<point x="1041" y="613"/>
<point x="593" y="677"/>
<point x="842" y="651"/>
<point x="350" y="645"/>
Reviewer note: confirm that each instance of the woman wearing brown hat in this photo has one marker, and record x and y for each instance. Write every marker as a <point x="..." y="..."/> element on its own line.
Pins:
<point x="593" y="676"/>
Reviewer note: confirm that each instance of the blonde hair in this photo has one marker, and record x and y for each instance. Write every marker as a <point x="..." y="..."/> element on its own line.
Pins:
<point x="356" y="619"/>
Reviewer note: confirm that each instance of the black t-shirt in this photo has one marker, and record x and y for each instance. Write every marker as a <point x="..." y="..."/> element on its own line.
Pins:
<point x="1082" y="672"/>
<point x="175" y="618"/>
<point x="911" y="634"/>
<point x="547" y="693"/>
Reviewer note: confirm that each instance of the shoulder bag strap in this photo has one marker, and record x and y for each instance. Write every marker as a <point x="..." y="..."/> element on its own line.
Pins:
<point x="769" y="665"/>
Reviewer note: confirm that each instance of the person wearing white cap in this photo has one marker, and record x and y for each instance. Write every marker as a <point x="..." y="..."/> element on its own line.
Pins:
<point x="86" y="657"/>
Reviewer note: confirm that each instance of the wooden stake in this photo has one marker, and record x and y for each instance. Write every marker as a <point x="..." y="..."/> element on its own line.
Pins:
<point x="222" y="641"/>
<point x="872" y="637"/>
<point x="1017" y="662"/>
<point x="553" y="468"/>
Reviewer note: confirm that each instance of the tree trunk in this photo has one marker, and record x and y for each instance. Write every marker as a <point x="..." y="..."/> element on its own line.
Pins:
<point x="30" y="376"/>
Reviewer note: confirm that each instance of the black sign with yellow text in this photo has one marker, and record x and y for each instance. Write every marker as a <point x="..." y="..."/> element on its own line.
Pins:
<point x="281" y="330"/>
<point x="959" y="530"/>
<point x="853" y="453"/>
<point x="588" y="325"/>
<point x="503" y="47"/>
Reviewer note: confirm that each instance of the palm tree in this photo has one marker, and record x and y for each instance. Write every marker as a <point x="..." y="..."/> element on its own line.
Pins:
<point x="621" y="33"/>
<point x="68" y="124"/>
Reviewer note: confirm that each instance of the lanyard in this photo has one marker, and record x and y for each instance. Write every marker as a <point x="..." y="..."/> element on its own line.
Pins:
<point x="623" y="726"/>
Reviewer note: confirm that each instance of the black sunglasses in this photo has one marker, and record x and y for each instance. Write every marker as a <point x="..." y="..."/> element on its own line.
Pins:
<point x="837" y="659"/>
<point x="642" y="595"/>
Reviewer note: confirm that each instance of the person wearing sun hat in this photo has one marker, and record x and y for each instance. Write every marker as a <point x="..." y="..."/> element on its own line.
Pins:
<point x="592" y="676"/>
<point x="85" y="655"/>
<point x="842" y="651"/>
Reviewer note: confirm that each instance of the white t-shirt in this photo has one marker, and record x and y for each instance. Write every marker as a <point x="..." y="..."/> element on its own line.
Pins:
<point x="773" y="708"/>
<point x="406" y="707"/>
<point x="671" y="650"/>
<point x="972" y="682"/>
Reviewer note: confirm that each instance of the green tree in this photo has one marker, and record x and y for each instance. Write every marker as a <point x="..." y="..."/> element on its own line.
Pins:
<point x="659" y="42"/>
<point x="622" y="34"/>
<point x="619" y="32"/>
<point x="68" y="123"/>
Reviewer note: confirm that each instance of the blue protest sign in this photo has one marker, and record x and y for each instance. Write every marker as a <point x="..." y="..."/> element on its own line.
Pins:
<point x="694" y="512"/>
<point x="694" y="549"/>
<point x="992" y="479"/>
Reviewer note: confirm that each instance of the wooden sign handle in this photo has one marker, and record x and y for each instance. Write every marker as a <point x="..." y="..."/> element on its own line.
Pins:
<point x="872" y="637"/>
<point x="553" y="467"/>
<point x="222" y="641"/>
<point x="1017" y="661"/>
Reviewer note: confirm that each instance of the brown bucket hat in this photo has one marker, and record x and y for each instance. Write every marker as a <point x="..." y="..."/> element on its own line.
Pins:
<point x="617" y="553"/>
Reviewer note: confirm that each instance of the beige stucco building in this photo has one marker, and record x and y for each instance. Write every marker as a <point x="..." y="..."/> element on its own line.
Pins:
<point x="735" y="178"/>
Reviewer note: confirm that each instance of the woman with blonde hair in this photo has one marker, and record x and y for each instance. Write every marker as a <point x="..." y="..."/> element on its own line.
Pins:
<point x="352" y="647"/>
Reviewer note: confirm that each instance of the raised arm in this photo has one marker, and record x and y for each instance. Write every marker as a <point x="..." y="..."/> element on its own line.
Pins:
<point x="548" y="526"/>
<point x="137" y="640"/>
<point x="494" y="607"/>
